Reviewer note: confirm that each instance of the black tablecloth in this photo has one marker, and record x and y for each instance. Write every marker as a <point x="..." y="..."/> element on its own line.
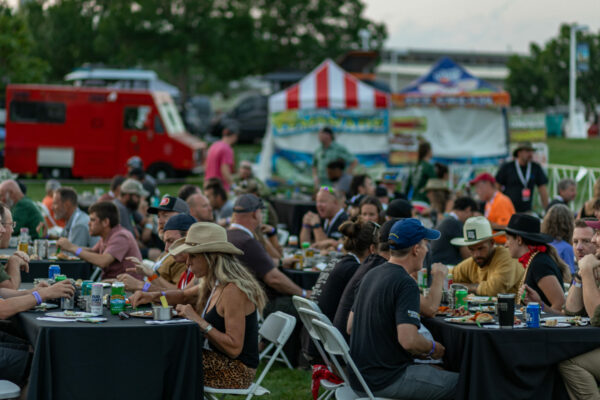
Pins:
<point x="78" y="269"/>
<point x="510" y="363"/>
<point x="113" y="360"/>
<point x="290" y="212"/>
<point x="304" y="279"/>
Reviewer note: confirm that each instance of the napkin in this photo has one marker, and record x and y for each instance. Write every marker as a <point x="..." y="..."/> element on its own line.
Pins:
<point x="172" y="321"/>
<point x="53" y="319"/>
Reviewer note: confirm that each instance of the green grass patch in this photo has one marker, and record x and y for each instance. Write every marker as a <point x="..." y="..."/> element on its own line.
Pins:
<point x="286" y="384"/>
<point x="576" y="152"/>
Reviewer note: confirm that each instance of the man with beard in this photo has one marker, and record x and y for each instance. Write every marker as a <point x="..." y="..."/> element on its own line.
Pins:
<point x="24" y="211"/>
<point x="490" y="269"/>
<point x="128" y="202"/>
<point x="321" y="228"/>
<point x="64" y="205"/>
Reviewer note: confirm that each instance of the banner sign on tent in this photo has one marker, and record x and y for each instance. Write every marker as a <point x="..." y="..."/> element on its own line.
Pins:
<point x="295" y="122"/>
<point x="527" y="127"/>
<point x="404" y="139"/>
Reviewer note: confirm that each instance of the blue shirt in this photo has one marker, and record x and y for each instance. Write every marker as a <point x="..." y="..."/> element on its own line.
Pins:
<point x="565" y="252"/>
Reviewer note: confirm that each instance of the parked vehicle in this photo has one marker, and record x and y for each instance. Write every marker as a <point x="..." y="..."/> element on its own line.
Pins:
<point x="250" y="113"/>
<point x="65" y="131"/>
<point x="198" y="114"/>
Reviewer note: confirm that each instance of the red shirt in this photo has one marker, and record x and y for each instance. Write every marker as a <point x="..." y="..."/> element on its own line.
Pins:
<point x="120" y="244"/>
<point x="218" y="154"/>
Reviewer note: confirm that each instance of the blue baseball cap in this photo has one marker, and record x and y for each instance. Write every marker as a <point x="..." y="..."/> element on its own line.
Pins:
<point x="408" y="232"/>
<point x="180" y="222"/>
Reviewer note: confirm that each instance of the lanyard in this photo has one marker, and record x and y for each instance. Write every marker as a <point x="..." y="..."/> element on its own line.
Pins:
<point x="329" y="223"/>
<point x="209" y="298"/>
<point x="157" y="264"/>
<point x="523" y="179"/>
<point x="243" y="228"/>
<point x="488" y="205"/>
<point x="186" y="279"/>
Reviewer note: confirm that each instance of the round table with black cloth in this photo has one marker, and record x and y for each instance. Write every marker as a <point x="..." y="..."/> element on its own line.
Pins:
<point x="304" y="279"/>
<point x="290" y="212"/>
<point x="510" y="363"/>
<point x="75" y="269"/>
<point x="117" y="359"/>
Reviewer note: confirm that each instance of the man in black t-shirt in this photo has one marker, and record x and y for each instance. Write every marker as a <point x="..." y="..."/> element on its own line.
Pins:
<point x="384" y="322"/>
<point x="450" y="227"/>
<point x="322" y="229"/>
<point x="520" y="177"/>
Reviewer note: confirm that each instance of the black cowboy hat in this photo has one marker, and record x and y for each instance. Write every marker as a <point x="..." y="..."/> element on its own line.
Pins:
<point x="523" y="146"/>
<point x="528" y="227"/>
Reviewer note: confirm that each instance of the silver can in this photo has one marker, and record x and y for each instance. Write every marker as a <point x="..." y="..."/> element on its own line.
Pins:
<point x="40" y="248"/>
<point x="96" y="301"/>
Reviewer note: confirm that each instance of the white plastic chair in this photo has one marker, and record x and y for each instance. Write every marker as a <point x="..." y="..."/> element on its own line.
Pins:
<point x="9" y="390"/>
<point x="267" y="352"/>
<point x="306" y="316"/>
<point x="335" y="344"/>
<point x="302" y="303"/>
<point x="277" y="329"/>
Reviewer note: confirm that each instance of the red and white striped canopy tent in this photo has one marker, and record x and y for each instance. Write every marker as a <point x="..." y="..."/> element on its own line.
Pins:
<point x="357" y="112"/>
<point x="328" y="86"/>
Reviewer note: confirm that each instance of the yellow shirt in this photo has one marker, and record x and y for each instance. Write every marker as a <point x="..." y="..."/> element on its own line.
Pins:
<point x="170" y="270"/>
<point x="502" y="275"/>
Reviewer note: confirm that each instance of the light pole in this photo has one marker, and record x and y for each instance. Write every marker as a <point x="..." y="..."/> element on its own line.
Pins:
<point x="573" y="77"/>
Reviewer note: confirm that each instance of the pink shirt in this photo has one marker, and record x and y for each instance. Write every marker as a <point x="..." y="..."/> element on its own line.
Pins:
<point x="218" y="154"/>
<point x="120" y="244"/>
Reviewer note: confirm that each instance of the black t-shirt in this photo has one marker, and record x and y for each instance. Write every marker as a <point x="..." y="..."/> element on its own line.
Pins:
<point x="513" y="187"/>
<point x="332" y="290"/>
<point x="542" y="265"/>
<point x="442" y="250"/>
<point x="387" y="297"/>
<point x="255" y="257"/>
<point x="341" y="315"/>
<point x="332" y="231"/>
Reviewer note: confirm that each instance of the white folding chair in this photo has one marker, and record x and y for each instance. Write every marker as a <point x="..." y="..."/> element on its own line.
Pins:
<point x="335" y="345"/>
<point x="9" y="390"/>
<point x="277" y="329"/>
<point x="303" y="303"/>
<point x="306" y="316"/>
<point x="267" y="352"/>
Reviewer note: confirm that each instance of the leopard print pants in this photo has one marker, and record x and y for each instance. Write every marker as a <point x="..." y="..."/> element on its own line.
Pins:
<point x="221" y="372"/>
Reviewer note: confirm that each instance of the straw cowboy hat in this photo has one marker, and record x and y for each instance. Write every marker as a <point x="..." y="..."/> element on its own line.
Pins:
<point x="204" y="237"/>
<point x="436" y="184"/>
<point x="528" y="227"/>
<point x="475" y="230"/>
<point x="523" y="146"/>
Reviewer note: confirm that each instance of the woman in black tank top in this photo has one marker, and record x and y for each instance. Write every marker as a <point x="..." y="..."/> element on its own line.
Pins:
<point x="225" y="305"/>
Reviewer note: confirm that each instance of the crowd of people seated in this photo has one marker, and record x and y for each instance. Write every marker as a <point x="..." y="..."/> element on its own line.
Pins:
<point x="214" y="252"/>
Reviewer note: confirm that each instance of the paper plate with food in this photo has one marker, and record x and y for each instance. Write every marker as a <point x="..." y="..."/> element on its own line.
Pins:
<point x="45" y="306"/>
<point x="475" y="319"/>
<point x="553" y="323"/>
<point x="482" y="308"/>
<point x="141" y="314"/>
<point x="481" y="299"/>
<point x="70" y="314"/>
<point x="569" y="320"/>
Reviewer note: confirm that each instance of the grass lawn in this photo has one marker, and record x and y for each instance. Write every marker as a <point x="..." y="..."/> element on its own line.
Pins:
<point x="584" y="152"/>
<point x="286" y="384"/>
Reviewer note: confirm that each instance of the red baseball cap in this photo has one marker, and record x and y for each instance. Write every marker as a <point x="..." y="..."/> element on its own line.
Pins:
<point x="484" y="176"/>
<point x="592" y="223"/>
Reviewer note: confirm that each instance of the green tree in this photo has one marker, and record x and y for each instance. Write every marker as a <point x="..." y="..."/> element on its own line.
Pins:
<point x="541" y="79"/>
<point x="17" y="62"/>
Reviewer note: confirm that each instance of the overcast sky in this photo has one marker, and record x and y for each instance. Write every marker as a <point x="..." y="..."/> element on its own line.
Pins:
<point x="483" y="25"/>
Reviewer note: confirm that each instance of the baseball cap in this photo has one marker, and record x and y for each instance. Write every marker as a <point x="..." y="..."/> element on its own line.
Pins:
<point x="592" y="223"/>
<point x="132" y="186"/>
<point x="135" y="162"/>
<point x="247" y="203"/>
<point x="399" y="208"/>
<point x="170" y="203"/>
<point x="484" y="176"/>
<point x="408" y="232"/>
<point x="180" y="222"/>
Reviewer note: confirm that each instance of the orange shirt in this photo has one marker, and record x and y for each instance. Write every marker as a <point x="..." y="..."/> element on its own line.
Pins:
<point x="47" y="201"/>
<point x="498" y="211"/>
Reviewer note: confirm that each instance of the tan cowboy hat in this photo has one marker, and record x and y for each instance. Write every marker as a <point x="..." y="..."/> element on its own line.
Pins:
<point x="436" y="184"/>
<point x="475" y="230"/>
<point x="204" y="237"/>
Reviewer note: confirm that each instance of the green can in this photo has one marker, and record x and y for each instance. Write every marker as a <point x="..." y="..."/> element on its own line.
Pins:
<point x="86" y="288"/>
<point x="460" y="298"/>
<point x="117" y="298"/>
<point x="59" y="278"/>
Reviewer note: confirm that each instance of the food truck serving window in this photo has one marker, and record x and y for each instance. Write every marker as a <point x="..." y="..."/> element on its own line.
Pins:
<point x="37" y="111"/>
<point x="135" y="117"/>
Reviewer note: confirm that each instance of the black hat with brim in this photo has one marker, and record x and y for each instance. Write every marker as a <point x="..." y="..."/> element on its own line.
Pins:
<point x="528" y="227"/>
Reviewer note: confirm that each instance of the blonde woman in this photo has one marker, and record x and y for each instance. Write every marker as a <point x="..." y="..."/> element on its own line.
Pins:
<point x="225" y="305"/>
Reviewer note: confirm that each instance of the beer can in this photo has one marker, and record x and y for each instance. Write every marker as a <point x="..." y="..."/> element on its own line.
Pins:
<point x="96" y="303"/>
<point x="53" y="270"/>
<point x="40" y="247"/>
<point x="460" y="298"/>
<point x="533" y="315"/>
<point x="117" y="298"/>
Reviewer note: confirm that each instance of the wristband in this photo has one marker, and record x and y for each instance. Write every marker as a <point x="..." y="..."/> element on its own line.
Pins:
<point x="280" y="263"/>
<point x="307" y="226"/>
<point x="163" y="293"/>
<point x="432" y="348"/>
<point x="149" y="226"/>
<point x="316" y="226"/>
<point x="153" y="277"/>
<point x="38" y="298"/>
<point x="208" y="328"/>
<point x="303" y="293"/>
<point x="576" y="284"/>
<point x="146" y="287"/>
<point x="272" y="233"/>
<point x="78" y="251"/>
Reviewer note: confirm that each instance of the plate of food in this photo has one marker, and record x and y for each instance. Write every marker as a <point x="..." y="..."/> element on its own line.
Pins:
<point x="553" y="323"/>
<point x="141" y="314"/>
<point x="477" y="318"/>
<point x="481" y="299"/>
<point x="70" y="314"/>
<point x="569" y="320"/>
<point x="45" y="306"/>
<point x="482" y="308"/>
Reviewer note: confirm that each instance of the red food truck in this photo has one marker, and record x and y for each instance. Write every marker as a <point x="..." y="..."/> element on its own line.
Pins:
<point x="84" y="132"/>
